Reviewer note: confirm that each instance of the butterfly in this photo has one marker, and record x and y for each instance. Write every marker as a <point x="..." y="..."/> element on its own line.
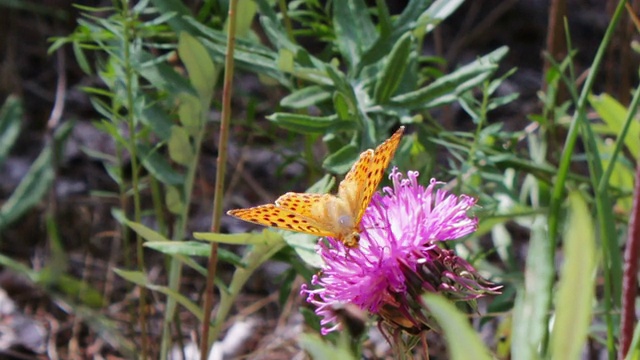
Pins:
<point x="337" y="216"/>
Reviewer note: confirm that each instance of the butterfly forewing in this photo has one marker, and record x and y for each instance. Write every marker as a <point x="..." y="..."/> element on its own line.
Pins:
<point x="301" y="203"/>
<point x="352" y="187"/>
<point x="381" y="159"/>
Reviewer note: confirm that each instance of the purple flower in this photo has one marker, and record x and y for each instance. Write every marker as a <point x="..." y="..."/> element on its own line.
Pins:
<point x="397" y="259"/>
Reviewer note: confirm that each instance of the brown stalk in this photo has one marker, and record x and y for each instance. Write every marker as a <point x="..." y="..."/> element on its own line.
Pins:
<point x="219" y="186"/>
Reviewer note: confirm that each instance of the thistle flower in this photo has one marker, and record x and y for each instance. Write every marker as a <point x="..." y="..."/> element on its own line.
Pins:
<point x="397" y="259"/>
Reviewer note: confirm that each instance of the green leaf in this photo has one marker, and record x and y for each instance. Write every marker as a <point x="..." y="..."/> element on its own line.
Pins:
<point x="180" y="149"/>
<point x="634" y="348"/>
<point x="404" y="23"/>
<point x="354" y="29"/>
<point x="81" y="59"/>
<point x="393" y="71"/>
<point x="613" y="114"/>
<point x="244" y="18"/>
<point x="240" y="239"/>
<point x="193" y="248"/>
<point x="575" y="294"/>
<point x="322" y="350"/>
<point x="10" y="120"/>
<point x="341" y="161"/>
<point x="199" y="66"/>
<point x="163" y="76"/>
<point x="344" y="108"/>
<point x="285" y="60"/>
<point x="437" y="12"/>
<point x="157" y="118"/>
<point x="304" y="124"/>
<point x="305" y="246"/>
<point x="190" y="113"/>
<point x="140" y="279"/>
<point x="306" y="97"/>
<point x="530" y="310"/>
<point x="447" y="88"/>
<point x="173" y="200"/>
<point x="147" y="233"/>
<point x="462" y="341"/>
<point x="30" y="191"/>
<point x="151" y="235"/>
<point x="159" y="167"/>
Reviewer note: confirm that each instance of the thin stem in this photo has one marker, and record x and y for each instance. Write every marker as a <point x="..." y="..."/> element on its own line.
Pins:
<point x="578" y="120"/>
<point x="282" y="4"/>
<point x="135" y="176"/>
<point x="567" y="153"/>
<point x="630" y="277"/>
<point x="219" y="186"/>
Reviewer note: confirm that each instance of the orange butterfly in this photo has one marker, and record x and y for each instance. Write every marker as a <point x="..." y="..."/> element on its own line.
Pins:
<point x="338" y="215"/>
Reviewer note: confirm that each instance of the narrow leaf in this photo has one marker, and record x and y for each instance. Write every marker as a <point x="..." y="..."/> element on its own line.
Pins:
<point x="575" y="295"/>
<point x="146" y="233"/>
<point x="530" y="310"/>
<point x="305" y="97"/>
<point x="239" y="239"/>
<point x="180" y="148"/>
<point x="393" y="71"/>
<point x="190" y="113"/>
<point x="320" y="349"/>
<point x="159" y="166"/>
<point x="463" y="342"/>
<point x="437" y="12"/>
<point x="354" y="28"/>
<point x="193" y="248"/>
<point x="447" y="88"/>
<point x="614" y="114"/>
<point x="199" y="65"/>
<point x="304" y="124"/>
<point x="30" y="191"/>
<point x="341" y="161"/>
<point x="140" y="279"/>
<point x="10" y="120"/>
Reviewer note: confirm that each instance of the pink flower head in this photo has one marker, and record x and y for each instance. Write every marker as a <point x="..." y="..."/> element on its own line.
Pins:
<point x="391" y="267"/>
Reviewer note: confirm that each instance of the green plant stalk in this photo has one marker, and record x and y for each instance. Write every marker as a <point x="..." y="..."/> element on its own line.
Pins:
<point x="227" y="298"/>
<point x="606" y="225"/>
<point x="175" y="266"/>
<point x="220" y="173"/>
<point x="567" y="152"/>
<point x="612" y="262"/>
<point x="286" y="19"/>
<point x="476" y="138"/>
<point x="135" y="180"/>
<point x="156" y="196"/>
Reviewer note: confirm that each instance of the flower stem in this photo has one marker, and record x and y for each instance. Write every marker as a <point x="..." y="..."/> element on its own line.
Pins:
<point x="219" y="186"/>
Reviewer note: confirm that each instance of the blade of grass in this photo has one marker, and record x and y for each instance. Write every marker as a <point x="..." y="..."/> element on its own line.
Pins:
<point x="567" y="153"/>
<point x="575" y="294"/>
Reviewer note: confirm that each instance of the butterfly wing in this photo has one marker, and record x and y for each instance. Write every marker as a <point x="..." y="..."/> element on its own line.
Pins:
<point x="282" y="218"/>
<point x="352" y="188"/>
<point x="301" y="203"/>
<point x="381" y="159"/>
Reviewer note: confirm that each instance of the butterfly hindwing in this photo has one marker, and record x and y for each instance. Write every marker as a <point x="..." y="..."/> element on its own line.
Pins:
<point x="271" y="215"/>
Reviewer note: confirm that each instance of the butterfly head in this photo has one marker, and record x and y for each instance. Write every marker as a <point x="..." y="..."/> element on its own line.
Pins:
<point x="351" y="240"/>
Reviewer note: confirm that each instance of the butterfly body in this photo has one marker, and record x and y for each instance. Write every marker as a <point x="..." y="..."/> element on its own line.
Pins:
<point x="337" y="216"/>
